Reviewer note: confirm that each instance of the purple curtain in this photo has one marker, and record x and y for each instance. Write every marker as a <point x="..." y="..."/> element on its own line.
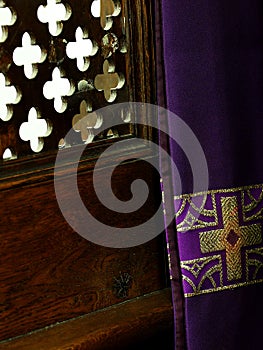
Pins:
<point x="210" y="74"/>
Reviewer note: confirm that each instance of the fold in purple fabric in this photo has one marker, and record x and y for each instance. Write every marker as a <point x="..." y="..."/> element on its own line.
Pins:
<point x="213" y="70"/>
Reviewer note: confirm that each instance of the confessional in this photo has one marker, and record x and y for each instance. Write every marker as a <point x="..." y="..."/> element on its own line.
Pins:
<point x="59" y="62"/>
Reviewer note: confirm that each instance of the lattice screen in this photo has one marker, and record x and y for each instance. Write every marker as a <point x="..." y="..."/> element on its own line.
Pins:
<point x="59" y="60"/>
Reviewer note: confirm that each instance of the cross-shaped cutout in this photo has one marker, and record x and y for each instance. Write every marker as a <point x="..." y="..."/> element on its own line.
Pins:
<point x="86" y="121"/>
<point x="57" y="89"/>
<point x="105" y="9"/>
<point x="28" y="56"/>
<point x="7" y="18"/>
<point x="53" y="14"/>
<point x="109" y="82"/>
<point x="231" y="238"/>
<point x="81" y="49"/>
<point x="34" y="130"/>
<point x="8" y="95"/>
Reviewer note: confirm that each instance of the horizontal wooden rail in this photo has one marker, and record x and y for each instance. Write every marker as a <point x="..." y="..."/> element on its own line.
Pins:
<point x="143" y="320"/>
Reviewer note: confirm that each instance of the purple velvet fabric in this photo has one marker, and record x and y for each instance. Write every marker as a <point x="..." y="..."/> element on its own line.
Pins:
<point x="213" y="69"/>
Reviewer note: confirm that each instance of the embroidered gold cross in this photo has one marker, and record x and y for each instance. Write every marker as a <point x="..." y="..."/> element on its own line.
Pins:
<point x="231" y="238"/>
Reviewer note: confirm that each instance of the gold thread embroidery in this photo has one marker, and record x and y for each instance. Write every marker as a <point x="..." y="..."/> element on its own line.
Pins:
<point x="219" y="289"/>
<point x="169" y="257"/>
<point x="254" y="201"/>
<point x="221" y="191"/>
<point x="189" y="221"/>
<point x="231" y="238"/>
<point x="252" y="260"/>
<point x="201" y="266"/>
<point x="251" y="211"/>
<point x="194" y="220"/>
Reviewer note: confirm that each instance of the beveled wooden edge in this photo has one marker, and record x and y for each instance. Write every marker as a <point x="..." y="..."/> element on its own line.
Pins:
<point x="35" y="171"/>
<point x="112" y="328"/>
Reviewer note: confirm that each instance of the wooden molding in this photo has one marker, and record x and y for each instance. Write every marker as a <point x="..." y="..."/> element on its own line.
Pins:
<point x="116" y="327"/>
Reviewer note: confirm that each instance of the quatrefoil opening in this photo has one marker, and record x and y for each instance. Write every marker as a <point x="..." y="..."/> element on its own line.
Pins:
<point x="58" y="88"/>
<point x="81" y="49"/>
<point x="29" y="55"/>
<point x="9" y="95"/>
<point x="54" y="13"/>
<point x="105" y="9"/>
<point x="86" y="121"/>
<point x="7" y="18"/>
<point x="109" y="81"/>
<point x="35" y="129"/>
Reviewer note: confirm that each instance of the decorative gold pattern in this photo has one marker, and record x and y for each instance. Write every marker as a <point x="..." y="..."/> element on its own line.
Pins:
<point x="197" y="212"/>
<point x="231" y="238"/>
<point x="224" y="229"/>
<point x="226" y="287"/>
<point x="254" y="260"/>
<point x="169" y="259"/>
<point x="203" y="270"/>
<point x="253" y="209"/>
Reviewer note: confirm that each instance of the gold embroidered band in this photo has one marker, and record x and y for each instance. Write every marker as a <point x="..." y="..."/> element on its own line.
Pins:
<point x="220" y="240"/>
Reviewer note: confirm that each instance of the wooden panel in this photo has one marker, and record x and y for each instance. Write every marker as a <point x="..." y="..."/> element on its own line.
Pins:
<point x="48" y="273"/>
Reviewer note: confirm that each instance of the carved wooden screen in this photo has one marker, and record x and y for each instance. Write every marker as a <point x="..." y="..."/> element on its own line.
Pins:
<point x="59" y="60"/>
